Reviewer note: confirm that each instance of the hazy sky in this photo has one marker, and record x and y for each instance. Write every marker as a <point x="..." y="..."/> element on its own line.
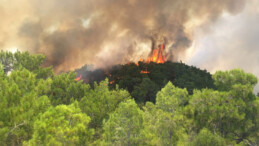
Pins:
<point x="232" y="43"/>
<point x="210" y="34"/>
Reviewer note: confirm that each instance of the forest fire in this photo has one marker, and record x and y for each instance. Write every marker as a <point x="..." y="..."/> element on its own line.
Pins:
<point x="112" y="82"/>
<point x="157" y="55"/>
<point x="158" y="47"/>
<point x="78" y="78"/>
<point x="144" y="72"/>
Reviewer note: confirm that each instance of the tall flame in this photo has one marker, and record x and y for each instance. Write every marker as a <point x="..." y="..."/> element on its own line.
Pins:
<point x="157" y="55"/>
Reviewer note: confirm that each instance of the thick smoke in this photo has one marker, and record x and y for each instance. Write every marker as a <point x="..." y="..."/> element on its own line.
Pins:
<point x="232" y="44"/>
<point x="104" y="32"/>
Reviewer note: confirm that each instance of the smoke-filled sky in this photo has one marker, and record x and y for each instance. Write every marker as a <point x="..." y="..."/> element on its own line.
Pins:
<point x="231" y="42"/>
<point x="219" y="34"/>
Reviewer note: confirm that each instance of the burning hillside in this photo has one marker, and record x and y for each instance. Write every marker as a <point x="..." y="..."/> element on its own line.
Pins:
<point x="157" y="53"/>
<point x="105" y="33"/>
<point x="154" y="71"/>
<point x="143" y="77"/>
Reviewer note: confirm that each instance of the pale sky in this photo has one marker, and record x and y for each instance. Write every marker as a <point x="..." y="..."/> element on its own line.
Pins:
<point x="233" y="42"/>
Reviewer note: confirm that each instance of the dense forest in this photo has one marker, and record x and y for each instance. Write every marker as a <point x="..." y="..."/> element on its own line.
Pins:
<point x="168" y="104"/>
<point x="144" y="80"/>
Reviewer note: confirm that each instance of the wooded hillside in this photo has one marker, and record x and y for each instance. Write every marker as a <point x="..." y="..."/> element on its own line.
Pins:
<point x="173" y="104"/>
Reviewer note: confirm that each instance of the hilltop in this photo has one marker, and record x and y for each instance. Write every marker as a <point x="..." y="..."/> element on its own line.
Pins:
<point x="144" y="80"/>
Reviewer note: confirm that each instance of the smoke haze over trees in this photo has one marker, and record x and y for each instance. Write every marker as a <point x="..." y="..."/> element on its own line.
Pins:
<point x="74" y="33"/>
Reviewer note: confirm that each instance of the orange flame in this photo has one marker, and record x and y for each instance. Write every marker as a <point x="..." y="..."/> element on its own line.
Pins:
<point x="112" y="82"/>
<point x="144" y="72"/>
<point x="157" y="55"/>
<point x="78" y="78"/>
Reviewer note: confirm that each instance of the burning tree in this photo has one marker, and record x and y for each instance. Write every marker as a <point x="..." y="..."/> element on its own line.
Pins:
<point x="158" y="47"/>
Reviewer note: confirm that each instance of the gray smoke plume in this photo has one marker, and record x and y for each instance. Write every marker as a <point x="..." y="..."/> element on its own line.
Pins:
<point x="233" y="43"/>
<point x="104" y="32"/>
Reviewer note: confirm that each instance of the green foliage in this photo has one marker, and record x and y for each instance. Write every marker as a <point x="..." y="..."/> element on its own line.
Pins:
<point x="164" y="122"/>
<point x="19" y="60"/>
<point x="21" y="102"/>
<point x="162" y="127"/>
<point x="145" y="91"/>
<point x="62" y="125"/>
<point x="30" y="62"/>
<point x="38" y="108"/>
<point x="127" y="76"/>
<point x="143" y="87"/>
<point x="7" y="60"/>
<point x="170" y="98"/>
<point x="217" y="111"/>
<point x="99" y="102"/>
<point x="157" y="72"/>
<point x="190" y="77"/>
<point x="124" y="125"/>
<point x="65" y="89"/>
<point x="224" y="81"/>
<point x="206" y="138"/>
<point x="230" y="112"/>
<point x="254" y="130"/>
